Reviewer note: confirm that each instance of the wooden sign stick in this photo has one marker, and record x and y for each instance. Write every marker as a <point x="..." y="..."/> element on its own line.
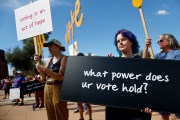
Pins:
<point x="137" y="4"/>
<point x="35" y="45"/>
<point x="146" y="31"/>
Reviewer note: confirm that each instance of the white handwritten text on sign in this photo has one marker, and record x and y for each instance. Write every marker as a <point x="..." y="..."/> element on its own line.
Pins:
<point x="129" y="76"/>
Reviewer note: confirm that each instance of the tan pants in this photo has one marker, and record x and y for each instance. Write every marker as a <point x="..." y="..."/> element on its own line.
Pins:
<point x="56" y="109"/>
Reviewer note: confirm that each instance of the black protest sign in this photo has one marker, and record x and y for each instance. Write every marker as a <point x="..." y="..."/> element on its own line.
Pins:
<point x="3" y="69"/>
<point x="32" y="86"/>
<point x="123" y="82"/>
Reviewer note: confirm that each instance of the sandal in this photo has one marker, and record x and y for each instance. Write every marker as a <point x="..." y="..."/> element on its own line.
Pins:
<point x="21" y="104"/>
<point x="41" y="106"/>
<point x="16" y="103"/>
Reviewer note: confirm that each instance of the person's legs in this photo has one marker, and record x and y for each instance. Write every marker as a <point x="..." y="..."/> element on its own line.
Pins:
<point x="80" y="107"/>
<point x="16" y="101"/>
<point x="22" y="101"/>
<point x="61" y="110"/>
<point x="29" y="94"/>
<point x="177" y="116"/>
<point x="85" y="108"/>
<point x="48" y="93"/>
<point x="89" y="111"/>
<point x="22" y="97"/>
<point x="164" y="117"/>
<point x="76" y="108"/>
<point x="50" y="109"/>
<point x="37" y="99"/>
<point x="60" y="107"/>
<point x="5" y="93"/>
<point x="41" y="95"/>
<point x="8" y="93"/>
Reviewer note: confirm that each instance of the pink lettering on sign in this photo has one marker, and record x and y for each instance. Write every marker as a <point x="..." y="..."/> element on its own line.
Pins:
<point x="32" y="21"/>
<point x="24" y="28"/>
<point x="35" y="13"/>
<point x="27" y="17"/>
<point x="39" y="22"/>
<point x="42" y="11"/>
<point x="33" y="24"/>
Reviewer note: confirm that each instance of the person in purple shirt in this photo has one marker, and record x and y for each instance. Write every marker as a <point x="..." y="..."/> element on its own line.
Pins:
<point x="170" y="50"/>
<point x="18" y="80"/>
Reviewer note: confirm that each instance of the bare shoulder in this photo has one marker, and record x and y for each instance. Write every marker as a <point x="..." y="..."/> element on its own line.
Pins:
<point x="47" y="63"/>
<point x="63" y="60"/>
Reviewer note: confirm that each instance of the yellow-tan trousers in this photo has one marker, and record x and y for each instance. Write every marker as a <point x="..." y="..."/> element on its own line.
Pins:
<point x="56" y="109"/>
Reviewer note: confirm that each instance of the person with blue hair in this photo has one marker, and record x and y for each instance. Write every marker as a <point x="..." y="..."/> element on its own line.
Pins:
<point x="126" y="43"/>
<point x="127" y="46"/>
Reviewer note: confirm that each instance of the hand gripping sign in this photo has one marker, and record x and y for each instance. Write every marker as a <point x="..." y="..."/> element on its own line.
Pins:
<point x="138" y="4"/>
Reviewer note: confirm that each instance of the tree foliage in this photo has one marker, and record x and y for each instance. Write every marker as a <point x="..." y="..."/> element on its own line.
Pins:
<point x="23" y="58"/>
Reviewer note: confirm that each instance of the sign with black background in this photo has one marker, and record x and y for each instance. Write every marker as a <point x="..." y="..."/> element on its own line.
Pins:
<point x="123" y="82"/>
<point x="3" y="69"/>
<point x="32" y="86"/>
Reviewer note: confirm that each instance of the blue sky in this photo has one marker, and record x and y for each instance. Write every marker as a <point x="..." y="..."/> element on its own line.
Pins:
<point x="102" y="19"/>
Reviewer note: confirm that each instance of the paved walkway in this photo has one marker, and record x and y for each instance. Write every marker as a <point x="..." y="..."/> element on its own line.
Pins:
<point x="10" y="112"/>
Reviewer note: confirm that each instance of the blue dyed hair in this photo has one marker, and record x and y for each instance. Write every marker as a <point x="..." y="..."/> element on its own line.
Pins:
<point x="130" y="36"/>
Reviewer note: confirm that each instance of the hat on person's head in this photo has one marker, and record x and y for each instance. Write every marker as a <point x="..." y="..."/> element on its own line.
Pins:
<point x="19" y="72"/>
<point x="56" y="42"/>
<point x="80" y="54"/>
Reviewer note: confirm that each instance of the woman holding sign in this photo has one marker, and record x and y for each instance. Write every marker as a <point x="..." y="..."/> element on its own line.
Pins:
<point x="53" y="72"/>
<point x="127" y="46"/>
<point x="170" y="49"/>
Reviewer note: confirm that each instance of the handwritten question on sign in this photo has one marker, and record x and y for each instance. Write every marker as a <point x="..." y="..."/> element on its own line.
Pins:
<point x="143" y="88"/>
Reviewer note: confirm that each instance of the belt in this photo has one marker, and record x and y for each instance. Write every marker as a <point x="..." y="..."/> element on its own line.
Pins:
<point x="55" y="82"/>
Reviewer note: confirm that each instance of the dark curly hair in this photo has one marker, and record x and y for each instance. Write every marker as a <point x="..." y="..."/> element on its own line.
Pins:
<point x="130" y="36"/>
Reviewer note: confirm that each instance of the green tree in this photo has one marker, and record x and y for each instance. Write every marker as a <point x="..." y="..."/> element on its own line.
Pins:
<point x="23" y="58"/>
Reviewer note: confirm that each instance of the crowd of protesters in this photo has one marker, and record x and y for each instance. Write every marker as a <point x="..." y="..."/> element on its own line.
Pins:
<point x="53" y="74"/>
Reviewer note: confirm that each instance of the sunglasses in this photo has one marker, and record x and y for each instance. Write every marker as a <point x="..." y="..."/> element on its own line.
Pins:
<point x="160" y="41"/>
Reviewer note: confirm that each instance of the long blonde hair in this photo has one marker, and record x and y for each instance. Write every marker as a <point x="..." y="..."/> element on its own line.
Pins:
<point x="173" y="43"/>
